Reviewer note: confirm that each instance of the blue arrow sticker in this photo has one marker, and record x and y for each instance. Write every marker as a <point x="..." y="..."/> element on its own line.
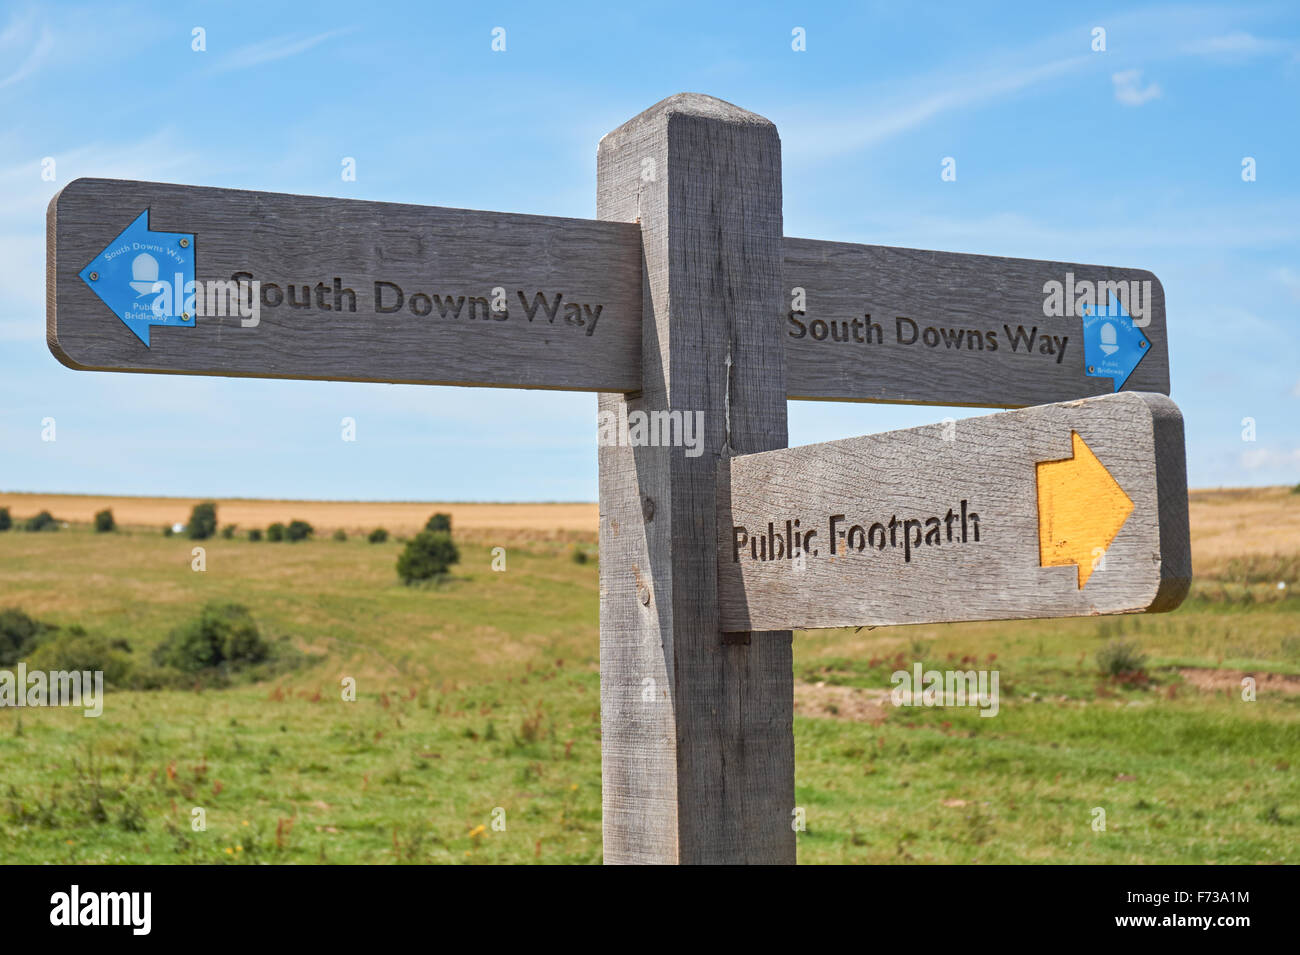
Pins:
<point x="145" y="277"/>
<point x="1112" y="344"/>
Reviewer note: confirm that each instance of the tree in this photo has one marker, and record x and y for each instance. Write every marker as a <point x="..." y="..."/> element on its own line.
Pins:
<point x="6" y="521"/>
<point x="427" y="555"/>
<point x="18" y="635"/>
<point x="104" y="522"/>
<point x="221" y="634"/>
<point x="44" y="521"/>
<point x="275" y="532"/>
<point x="439" y="522"/>
<point x="378" y="536"/>
<point x="203" y="521"/>
<point x="298" y="531"/>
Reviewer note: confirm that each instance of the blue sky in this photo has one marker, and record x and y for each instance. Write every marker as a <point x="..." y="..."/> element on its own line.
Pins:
<point x="1130" y="157"/>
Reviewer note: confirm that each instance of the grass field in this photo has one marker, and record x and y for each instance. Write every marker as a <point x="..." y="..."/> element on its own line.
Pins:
<point x="482" y="694"/>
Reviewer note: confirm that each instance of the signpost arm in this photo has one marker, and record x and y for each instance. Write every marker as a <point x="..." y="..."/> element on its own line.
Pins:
<point x="698" y="747"/>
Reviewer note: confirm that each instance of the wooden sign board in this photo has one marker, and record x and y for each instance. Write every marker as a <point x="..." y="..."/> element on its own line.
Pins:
<point x="370" y="291"/>
<point x="1061" y="510"/>
<point x="349" y="290"/>
<point x="904" y="325"/>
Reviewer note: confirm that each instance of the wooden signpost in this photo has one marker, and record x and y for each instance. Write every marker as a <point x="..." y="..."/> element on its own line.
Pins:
<point x="683" y="305"/>
<point x="1060" y="510"/>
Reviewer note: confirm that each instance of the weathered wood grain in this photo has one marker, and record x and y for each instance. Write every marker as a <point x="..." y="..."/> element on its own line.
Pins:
<point x="697" y="739"/>
<point x="991" y="464"/>
<point x="951" y="292"/>
<point x="303" y="240"/>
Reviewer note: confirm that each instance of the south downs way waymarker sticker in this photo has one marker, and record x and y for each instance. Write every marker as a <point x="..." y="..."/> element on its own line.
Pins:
<point x="1112" y="343"/>
<point x="146" y="278"/>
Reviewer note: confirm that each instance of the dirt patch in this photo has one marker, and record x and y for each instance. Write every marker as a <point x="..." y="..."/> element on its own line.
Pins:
<point x="1216" y="681"/>
<point x="842" y="702"/>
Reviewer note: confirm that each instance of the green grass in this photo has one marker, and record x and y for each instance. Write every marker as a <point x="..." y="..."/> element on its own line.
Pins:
<point x="482" y="694"/>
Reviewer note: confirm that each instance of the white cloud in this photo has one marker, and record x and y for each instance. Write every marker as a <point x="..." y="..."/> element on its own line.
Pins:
<point x="1289" y="279"/>
<point x="1258" y="459"/>
<point x="1237" y="44"/>
<point x="935" y="96"/>
<point x="276" y="48"/>
<point x="1127" y="91"/>
<point x="22" y="42"/>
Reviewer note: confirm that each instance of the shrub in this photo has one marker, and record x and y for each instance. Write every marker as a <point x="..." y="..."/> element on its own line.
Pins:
<point x="75" y="649"/>
<point x="19" y="633"/>
<point x="298" y="531"/>
<point x="221" y="635"/>
<point x="1121" y="656"/>
<point x="378" y="536"/>
<point x="167" y="531"/>
<point x="203" y="521"/>
<point x="104" y="522"/>
<point x="579" y="555"/>
<point x="340" y="535"/>
<point x="228" y="532"/>
<point x="439" y="522"/>
<point x="428" y="555"/>
<point x="255" y="534"/>
<point x="275" y="532"/>
<point x="44" y="521"/>
<point x="6" y="521"/>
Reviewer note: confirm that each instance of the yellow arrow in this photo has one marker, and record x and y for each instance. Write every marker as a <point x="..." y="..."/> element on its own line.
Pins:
<point x="1080" y="510"/>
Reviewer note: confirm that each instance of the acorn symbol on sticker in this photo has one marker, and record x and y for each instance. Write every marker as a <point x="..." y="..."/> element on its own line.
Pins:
<point x="1108" y="339"/>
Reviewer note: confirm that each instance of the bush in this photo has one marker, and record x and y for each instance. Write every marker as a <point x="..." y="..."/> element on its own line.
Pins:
<point x="378" y="536"/>
<point x="104" y="522"/>
<point x="223" y="635"/>
<point x="275" y="532"/>
<point x="255" y="534"/>
<point x="19" y="633"/>
<point x="228" y="532"/>
<point x="298" y="531"/>
<point x="203" y="521"/>
<point x="1121" y="656"/>
<point x="439" y="522"/>
<point x="428" y="555"/>
<point x="75" y="649"/>
<point x="340" y="535"/>
<point x="44" y="521"/>
<point x="6" y="521"/>
<point x="579" y="555"/>
<point x="167" y="531"/>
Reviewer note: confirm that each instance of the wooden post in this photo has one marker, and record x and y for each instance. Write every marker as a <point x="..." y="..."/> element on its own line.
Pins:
<point x="698" y="744"/>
